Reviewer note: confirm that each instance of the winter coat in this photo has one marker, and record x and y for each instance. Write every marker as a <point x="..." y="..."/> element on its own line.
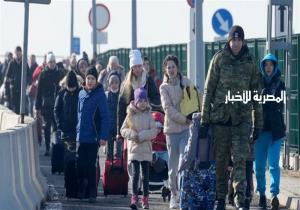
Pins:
<point x="159" y="142"/>
<point x="139" y="123"/>
<point x="34" y="81"/>
<point x="112" y="102"/>
<point x="273" y="111"/>
<point x="30" y="72"/>
<point x="65" y="112"/>
<point x="235" y="74"/>
<point x="171" y="96"/>
<point x="93" y="117"/>
<point x="48" y="88"/>
<point x="13" y="84"/>
<point x="126" y="96"/>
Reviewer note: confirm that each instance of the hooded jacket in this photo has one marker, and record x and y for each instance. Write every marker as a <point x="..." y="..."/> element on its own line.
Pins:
<point x="105" y="73"/>
<point x="273" y="111"/>
<point x="65" y="111"/>
<point x="93" y="117"/>
<point x="171" y="96"/>
<point x="141" y="124"/>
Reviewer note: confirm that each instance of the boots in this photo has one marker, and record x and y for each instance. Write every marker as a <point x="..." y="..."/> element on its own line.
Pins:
<point x="134" y="201"/>
<point x="145" y="202"/>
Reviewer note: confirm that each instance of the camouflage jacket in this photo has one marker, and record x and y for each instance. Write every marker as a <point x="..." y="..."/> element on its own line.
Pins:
<point x="234" y="74"/>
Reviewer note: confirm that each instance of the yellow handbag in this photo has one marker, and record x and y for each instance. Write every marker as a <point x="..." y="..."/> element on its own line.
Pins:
<point x="190" y="101"/>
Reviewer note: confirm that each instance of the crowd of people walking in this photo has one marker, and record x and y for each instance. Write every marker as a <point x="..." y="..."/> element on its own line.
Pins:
<point x="133" y="114"/>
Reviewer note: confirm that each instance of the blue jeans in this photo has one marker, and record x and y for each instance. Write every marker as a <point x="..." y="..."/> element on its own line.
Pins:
<point x="176" y="143"/>
<point x="266" y="148"/>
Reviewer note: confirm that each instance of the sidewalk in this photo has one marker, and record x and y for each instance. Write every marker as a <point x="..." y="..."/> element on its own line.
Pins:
<point x="289" y="188"/>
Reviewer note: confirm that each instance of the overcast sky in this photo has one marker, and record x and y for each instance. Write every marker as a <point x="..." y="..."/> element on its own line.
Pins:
<point x="159" y="22"/>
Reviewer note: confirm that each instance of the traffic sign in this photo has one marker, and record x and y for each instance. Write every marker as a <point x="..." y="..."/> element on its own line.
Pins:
<point x="101" y="37"/>
<point x="102" y="17"/>
<point x="191" y="3"/>
<point x="222" y="22"/>
<point x="33" y="1"/>
<point x="281" y="20"/>
<point x="76" y="45"/>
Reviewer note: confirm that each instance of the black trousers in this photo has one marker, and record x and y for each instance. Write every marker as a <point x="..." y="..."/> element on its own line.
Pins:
<point x="135" y="165"/>
<point x="86" y="164"/>
<point x="49" y="121"/>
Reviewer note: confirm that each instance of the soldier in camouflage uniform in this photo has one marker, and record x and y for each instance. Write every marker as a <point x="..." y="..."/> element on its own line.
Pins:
<point x="232" y="69"/>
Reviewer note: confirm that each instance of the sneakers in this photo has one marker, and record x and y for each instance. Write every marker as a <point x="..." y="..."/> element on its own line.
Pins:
<point x="263" y="202"/>
<point x="220" y="204"/>
<point x="134" y="200"/>
<point x="275" y="203"/>
<point x="145" y="202"/>
<point x="173" y="202"/>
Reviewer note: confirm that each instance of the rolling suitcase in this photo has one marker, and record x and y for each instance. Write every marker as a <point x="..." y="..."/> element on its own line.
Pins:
<point x="198" y="179"/>
<point x="115" y="176"/>
<point x="70" y="170"/>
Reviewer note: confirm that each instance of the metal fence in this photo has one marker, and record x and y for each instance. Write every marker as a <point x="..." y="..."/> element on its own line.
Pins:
<point x="257" y="48"/>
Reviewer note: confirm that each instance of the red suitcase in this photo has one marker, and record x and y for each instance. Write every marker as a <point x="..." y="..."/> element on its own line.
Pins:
<point x="115" y="178"/>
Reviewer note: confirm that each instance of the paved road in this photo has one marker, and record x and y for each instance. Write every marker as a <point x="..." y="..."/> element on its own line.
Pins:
<point x="59" y="201"/>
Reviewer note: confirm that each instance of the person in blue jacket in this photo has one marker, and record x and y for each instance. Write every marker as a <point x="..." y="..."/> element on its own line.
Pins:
<point x="267" y="146"/>
<point x="92" y="131"/>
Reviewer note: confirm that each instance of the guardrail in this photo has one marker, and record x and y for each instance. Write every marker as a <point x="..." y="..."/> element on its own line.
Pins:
<point x="22" y="186"/>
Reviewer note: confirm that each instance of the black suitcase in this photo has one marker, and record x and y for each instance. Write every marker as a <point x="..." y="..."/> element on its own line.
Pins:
<point x="57" y="157"/>
<point x="71" y="179"/>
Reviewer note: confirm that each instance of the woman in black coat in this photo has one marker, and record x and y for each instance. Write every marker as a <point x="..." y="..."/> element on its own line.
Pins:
<point x="65" y="110"/>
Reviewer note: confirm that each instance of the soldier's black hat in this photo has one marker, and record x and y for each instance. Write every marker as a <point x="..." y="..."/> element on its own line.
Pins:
<point x="236" y="32"/>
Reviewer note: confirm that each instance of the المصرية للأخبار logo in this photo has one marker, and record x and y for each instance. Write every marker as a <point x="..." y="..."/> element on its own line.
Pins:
<point x="246" y="97"/>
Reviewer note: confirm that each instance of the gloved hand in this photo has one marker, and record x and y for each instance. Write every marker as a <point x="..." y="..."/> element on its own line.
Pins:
<point x="203" y="130"/>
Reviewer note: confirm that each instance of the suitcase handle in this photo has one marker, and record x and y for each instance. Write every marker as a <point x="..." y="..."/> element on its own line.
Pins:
<point x="122" y="156"/>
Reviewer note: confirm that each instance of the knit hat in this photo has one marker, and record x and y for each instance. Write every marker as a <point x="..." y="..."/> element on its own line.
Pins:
<point x="113" y="59"/>
<point x="140" y="94"/>
<point x="50" y="57"/>
<point x="236" y="32"/>
<point x="135" y="58"/>
<point x="92" y="71"/>
<point x="71" y="79"/>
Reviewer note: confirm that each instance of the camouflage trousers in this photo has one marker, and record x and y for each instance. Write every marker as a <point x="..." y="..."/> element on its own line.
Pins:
<point x="234" y="141"/>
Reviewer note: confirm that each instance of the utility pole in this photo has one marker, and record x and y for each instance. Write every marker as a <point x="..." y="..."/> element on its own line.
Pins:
<point x="72" y="26"/>
<point x="24" y="61"/>
<point x="133" y="27"/>
<point x="199" y="47"/>
<point x="94" y="28"/>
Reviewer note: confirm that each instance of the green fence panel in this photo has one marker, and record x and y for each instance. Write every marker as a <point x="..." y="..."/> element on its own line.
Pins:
<point x="256" y="47"/>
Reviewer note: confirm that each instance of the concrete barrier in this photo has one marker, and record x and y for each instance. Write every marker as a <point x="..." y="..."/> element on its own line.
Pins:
<point x="22" y="186"/>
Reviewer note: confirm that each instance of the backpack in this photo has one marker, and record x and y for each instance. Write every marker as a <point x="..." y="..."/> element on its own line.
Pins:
<point x="190" y="102"/>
